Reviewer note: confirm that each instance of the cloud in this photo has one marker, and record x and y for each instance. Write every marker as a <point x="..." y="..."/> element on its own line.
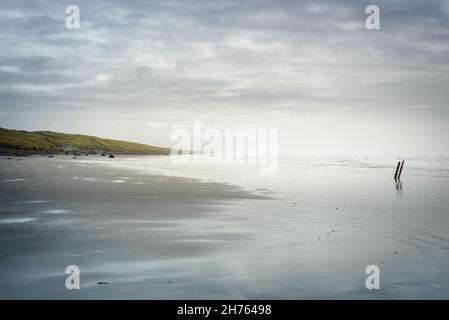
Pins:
<point x="222" y="58"/>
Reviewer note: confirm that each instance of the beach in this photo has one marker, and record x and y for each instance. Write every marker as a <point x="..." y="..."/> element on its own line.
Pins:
<point x="141" y="228"/>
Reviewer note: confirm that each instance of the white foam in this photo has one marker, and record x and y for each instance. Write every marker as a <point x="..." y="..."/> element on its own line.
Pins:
<point x="36" y="201"/>
<point x="16" y="220"/>
<point x="56" y="211"/>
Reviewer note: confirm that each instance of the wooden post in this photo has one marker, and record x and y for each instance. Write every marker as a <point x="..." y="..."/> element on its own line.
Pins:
<point x="397" y="169"/>
<point x="400" y="170"/>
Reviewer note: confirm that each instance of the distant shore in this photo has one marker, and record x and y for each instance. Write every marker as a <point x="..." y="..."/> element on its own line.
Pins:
<point x="25" y="143"/>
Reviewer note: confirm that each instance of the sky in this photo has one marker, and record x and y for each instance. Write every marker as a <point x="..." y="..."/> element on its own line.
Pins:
<point x="135" y="70"/>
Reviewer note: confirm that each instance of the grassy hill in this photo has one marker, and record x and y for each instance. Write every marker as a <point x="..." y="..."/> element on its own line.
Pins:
<point x="40" y="142"/>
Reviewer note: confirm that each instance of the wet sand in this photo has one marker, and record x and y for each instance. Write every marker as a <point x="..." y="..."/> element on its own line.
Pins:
<point x="133" y="233"/>
<point x="307" y="233"/>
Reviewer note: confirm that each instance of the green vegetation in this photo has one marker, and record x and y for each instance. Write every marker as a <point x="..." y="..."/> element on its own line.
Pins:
<point x="54" y="142"/>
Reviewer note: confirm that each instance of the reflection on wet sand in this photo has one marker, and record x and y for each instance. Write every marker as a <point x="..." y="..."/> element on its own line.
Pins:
<point x="308" y="232"/>
<point x="399" y="189"/>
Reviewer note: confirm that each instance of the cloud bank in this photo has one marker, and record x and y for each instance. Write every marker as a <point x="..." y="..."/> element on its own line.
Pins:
<point x="135" y="69"/>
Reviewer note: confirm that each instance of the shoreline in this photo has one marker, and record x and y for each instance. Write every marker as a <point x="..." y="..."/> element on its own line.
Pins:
<point x="31" y="153"/>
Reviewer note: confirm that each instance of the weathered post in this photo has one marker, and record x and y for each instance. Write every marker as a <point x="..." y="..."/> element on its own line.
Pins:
<point x="400" y="170"/>
<point x="397" y="169"/>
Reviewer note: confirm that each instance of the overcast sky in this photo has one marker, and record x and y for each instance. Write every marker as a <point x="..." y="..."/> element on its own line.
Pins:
<point x="311" y="69"/>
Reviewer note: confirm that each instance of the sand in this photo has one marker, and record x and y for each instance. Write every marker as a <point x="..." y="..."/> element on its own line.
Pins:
<point x="118" y="226"/>
<point x="141" y="235"/>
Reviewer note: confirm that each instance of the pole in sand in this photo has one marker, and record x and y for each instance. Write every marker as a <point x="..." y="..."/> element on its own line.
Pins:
<point x="400" y="170"/>
<point x="397" y="170"/>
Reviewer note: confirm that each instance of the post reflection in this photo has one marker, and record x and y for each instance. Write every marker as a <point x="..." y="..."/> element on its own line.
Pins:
<point x="399" y="189"/>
